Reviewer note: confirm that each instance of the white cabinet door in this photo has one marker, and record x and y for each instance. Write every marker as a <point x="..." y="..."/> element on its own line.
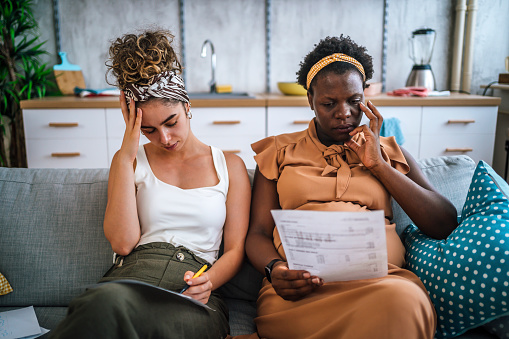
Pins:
<point x="70" y="153"/>
<point x="459" y="130"/>
<point x="64" y="123"/>
<point x="115" y="127"/>
<point x="409" y="122"/>
<point x="232" y="129"/>
<point x="476" y="146"/>
<point x="65" y="138"/>
<point x="288" y="119"/>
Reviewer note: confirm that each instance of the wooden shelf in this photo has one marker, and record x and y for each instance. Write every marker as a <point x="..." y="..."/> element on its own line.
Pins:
<point x="504" y="87"/>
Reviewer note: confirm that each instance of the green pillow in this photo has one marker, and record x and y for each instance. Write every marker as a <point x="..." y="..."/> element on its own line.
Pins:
<point x="467" y="274"/>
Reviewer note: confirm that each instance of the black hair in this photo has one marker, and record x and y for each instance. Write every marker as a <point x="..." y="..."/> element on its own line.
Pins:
<point x="331" y="45"/>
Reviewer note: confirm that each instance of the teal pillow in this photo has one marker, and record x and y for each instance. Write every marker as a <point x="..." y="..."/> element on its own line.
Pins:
<point x="467" y="274"/>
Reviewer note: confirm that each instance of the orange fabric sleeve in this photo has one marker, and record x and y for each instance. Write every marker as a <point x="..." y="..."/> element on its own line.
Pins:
<point x="267" y="157"/>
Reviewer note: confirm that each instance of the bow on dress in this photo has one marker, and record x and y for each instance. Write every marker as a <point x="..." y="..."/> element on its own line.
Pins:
<point x="339" y="158"/>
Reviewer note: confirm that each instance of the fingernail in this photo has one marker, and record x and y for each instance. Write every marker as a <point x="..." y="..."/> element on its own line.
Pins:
<point x="316" y="280"/>
<point x="306" y="275"/>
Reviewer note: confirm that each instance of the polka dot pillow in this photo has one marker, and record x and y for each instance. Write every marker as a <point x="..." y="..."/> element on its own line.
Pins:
<point x="467" y="274"/>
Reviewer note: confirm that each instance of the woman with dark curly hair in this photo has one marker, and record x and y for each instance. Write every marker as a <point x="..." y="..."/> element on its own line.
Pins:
<point x="171" y="203"/>
<point x="336" y="164"/>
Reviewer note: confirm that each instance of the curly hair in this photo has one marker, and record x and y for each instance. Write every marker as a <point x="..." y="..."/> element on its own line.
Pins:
<point x="331" y="45"/>
<point x="135" y="59"/>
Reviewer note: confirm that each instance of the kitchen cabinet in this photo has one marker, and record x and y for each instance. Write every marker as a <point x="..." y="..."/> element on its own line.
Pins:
<point x="81" y="132"/>
<point x="232" y="129"/>
<point x="459" y="130"/>
<point x="89" y="138"/>
<point x="65" y="138"/>
<point x="115" y="128"/>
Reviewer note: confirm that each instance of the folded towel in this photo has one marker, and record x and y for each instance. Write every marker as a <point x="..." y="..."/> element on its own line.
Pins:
<point x="410" y="91"/>
<point x="5" y="288"/>
<point x="88" y="92"/>
<point x="391" y="127"/>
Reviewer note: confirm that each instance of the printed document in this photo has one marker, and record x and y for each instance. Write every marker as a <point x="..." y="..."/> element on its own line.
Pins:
<point x="20" y="323"/>
<point x="335" y="246"/>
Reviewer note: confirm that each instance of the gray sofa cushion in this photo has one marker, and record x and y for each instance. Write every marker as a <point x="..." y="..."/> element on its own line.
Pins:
<point x="55" y="216"/>
<point x="450" y="175"/>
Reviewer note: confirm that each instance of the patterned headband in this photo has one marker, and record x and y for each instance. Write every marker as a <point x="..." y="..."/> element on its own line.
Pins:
<point x="163" y="85"/>
<point x="330" y="59"/>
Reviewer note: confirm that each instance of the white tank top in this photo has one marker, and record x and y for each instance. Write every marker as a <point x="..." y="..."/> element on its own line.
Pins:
<point x="193" y="218"/>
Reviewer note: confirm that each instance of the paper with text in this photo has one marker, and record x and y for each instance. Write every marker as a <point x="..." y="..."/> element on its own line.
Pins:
<point x="20" y="323"/>
<point x="335" y="246"/>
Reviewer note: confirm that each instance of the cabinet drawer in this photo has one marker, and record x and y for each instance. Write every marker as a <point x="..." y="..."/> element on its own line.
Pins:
<point x="76" y="153"/>
<point x="114" y="145"/>
<point x="458" y="120"/>
<point x="476" y="146"/>
<point x="409" y="117"/>
<point x="288" y="119"/>
<point x="228" y="121"/>
<point x="409" y="123"/>
<point x="115" y="124"/>
<point x="240" y="146"/>
<point x="64" y="124"/>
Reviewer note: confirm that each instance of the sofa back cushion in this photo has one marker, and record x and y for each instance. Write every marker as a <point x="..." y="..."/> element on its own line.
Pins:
<point x="450" y="175"/>
<point x="52" y="243"/>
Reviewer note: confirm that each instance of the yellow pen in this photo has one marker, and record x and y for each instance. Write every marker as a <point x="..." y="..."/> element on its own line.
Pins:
<point x="196" y="275"/>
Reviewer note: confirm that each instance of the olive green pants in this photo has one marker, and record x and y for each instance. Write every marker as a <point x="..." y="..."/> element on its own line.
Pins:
<point x="116" y="310"/>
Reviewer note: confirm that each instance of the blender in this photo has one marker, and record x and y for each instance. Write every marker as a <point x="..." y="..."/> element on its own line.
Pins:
<point x="421" y="48"/>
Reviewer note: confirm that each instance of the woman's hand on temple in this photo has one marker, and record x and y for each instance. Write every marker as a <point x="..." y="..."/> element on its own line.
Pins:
<point x="293" y="284"/>
<point x="369" y="153"/>
<point x="132" y="117"/>
<point x="199" y="287"/>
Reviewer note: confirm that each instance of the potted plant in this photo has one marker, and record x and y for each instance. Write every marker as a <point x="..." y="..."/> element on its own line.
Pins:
<point x="22" y="76"/>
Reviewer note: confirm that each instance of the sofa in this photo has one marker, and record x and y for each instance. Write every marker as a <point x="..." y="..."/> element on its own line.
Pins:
<point x="52" y="244"/>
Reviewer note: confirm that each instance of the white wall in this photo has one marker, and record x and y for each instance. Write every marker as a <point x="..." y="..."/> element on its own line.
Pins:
<point x="237" y="29"/>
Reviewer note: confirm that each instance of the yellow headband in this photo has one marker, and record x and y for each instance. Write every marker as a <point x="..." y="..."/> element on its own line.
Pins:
<point x="330" y="59"/>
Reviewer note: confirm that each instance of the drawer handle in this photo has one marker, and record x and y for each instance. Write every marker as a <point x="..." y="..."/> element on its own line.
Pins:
<point x="65" y="154"/>
<point x="460" y="121"/>
<point x="301" y="122"/>
<point x="226" y="122"/>
<point x="63" y="124"/>
<point x="231" y="150"/>
<point x="460" y="149"/>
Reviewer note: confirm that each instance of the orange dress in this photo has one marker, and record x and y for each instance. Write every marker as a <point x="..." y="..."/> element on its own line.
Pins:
<point x="312" y="176"/>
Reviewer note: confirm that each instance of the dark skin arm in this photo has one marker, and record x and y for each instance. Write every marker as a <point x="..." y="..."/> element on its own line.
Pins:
<point x="289" y="284"/>
<point x="434" y="214"/>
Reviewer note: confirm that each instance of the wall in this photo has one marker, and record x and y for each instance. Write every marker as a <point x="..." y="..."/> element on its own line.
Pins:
<point x="237" y="29"/>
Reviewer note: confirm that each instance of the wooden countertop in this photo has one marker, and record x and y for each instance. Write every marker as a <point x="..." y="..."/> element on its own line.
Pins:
<point x="269" y="100"/>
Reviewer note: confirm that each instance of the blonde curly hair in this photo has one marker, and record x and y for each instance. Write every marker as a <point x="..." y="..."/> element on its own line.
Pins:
<point x="135" y="59"/>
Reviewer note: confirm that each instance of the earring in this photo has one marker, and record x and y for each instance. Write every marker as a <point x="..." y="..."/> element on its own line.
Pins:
<point x="189" y="114"/>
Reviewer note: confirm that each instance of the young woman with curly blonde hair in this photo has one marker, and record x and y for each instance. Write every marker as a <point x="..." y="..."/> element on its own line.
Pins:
<point x="171" y="203"/>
